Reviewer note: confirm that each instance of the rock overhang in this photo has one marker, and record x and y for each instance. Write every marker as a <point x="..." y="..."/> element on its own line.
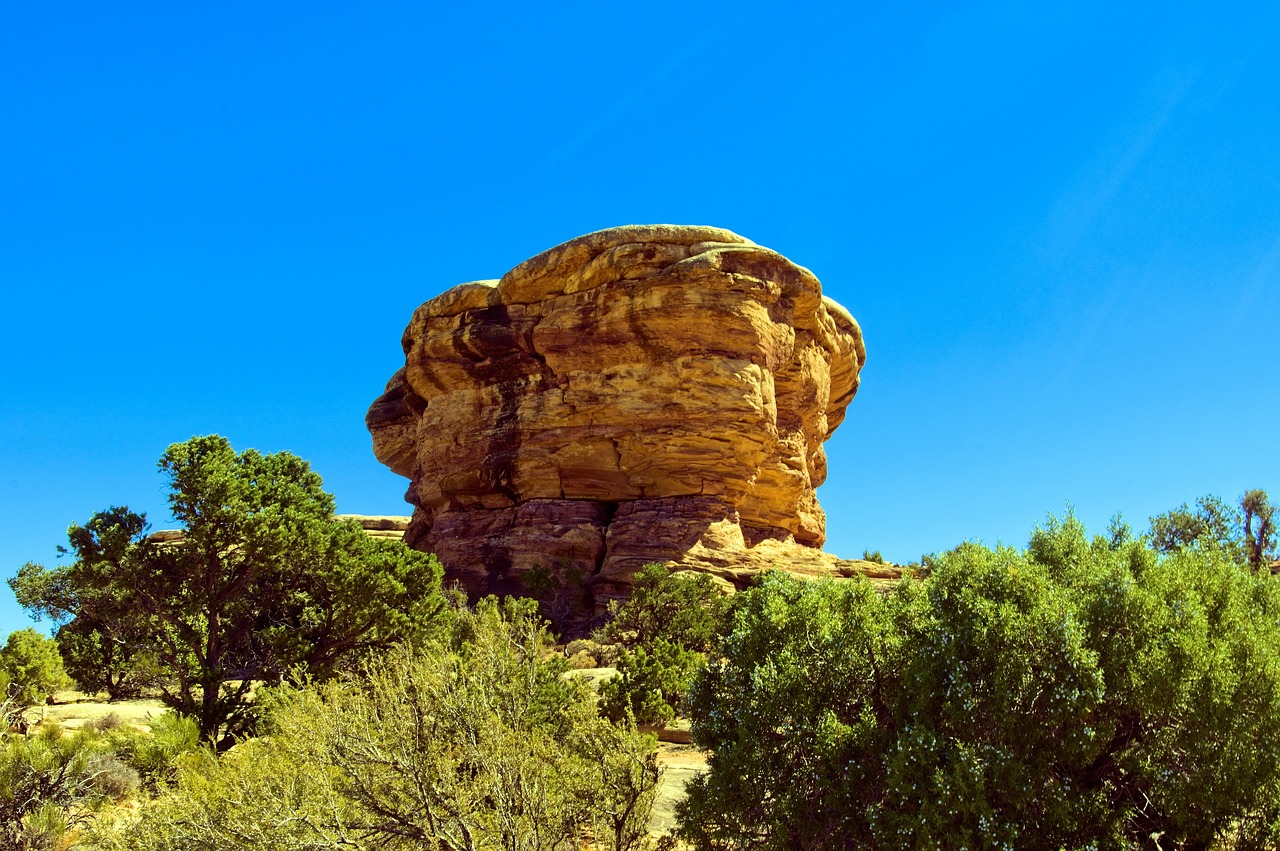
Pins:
<point x="642" y="393"/>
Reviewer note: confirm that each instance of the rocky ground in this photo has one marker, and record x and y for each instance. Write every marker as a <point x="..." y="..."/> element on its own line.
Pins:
<point x="680" y="764"/>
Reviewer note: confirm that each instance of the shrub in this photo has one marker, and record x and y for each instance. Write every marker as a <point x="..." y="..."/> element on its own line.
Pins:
<point x="257" y="795"/>
<point x="110" y="777"/>
<point x="106" y="723"/>
<point x="1083" y="694"/>
<point x="684" y="608"/>
<point x="154" y="754"/>
<point x="474" y="741"/>
<point x="663" y="630"/>
<point x="651" y="683"/>
<point x="50" y="783"/>
<point x="32" y="666"/>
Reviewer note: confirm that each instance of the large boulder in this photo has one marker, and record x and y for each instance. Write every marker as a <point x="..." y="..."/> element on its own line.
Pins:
<point x="638" y="394"/>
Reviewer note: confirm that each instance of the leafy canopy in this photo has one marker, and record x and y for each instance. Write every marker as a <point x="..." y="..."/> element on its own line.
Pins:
<point x="1081" y="694"/>
<point x="474" y="741"/>
<point x="261" y="582"/>
<point x="30" y="668"/>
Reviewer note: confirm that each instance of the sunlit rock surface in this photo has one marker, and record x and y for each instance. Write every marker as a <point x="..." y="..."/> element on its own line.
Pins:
<point x="638" y="394"/>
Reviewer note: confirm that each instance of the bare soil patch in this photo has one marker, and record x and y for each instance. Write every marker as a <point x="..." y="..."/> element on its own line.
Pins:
<point x="74" y="710"/>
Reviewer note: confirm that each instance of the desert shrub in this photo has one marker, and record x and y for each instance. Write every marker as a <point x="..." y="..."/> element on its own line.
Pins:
<point x="684" y="608"/>
<point x="32" y="667"/>
<point x="50" y="783"/>
<point x="106" y="723"/>
<point x="581" y="645"/>
<point x="1081" y="694"/>
<point x="154" y="754"/>
<point x="112" y="779"/>
<point x="662" y="631"/>
<point x="257" y="795"/>
<point x="474" y="741"/>
<point x="603" y="654"/>
<point x="651" y="683"/>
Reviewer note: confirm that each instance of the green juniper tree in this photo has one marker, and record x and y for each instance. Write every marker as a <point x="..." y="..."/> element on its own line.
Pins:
<point x="262" y="583"/>
<point x="1085" y="693"/>
<point x="666" y="626"/>
<point x="30" y="668"/>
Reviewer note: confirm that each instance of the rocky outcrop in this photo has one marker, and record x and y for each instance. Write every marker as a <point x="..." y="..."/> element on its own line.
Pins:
<point x="388" y="528"/>
<point x="639" y="394"/>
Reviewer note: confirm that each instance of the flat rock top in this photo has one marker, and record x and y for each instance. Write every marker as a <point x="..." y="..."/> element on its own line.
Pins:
<point x="587" y="261"/>
<point x="377" y="522"/>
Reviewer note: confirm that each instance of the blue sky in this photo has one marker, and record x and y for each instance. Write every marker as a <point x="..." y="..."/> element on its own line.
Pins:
<point x="1058" y="224"/>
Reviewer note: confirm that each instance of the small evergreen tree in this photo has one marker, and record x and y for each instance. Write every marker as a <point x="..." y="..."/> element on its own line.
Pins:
<point x="32" y="667"/>
<point x="666" y="626"/>
<point x="1081" y="694"/>
<point x="262" y="583"/>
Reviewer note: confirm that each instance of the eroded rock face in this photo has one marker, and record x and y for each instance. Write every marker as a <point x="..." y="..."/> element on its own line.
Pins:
<point x="638" y="394"/>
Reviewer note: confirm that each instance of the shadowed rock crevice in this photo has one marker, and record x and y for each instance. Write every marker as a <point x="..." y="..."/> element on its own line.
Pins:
<point x="644" y="393"/>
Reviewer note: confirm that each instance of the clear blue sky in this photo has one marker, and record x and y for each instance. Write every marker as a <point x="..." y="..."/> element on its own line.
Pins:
<point x="1058" y="224"/>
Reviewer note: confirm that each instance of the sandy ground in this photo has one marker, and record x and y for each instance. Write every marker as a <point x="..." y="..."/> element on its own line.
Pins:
<point x="74" y="710"/>
<point x="680" y="763"/>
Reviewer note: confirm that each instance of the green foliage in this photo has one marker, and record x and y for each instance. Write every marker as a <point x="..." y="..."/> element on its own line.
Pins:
<point x="1246" y="534"/>
<point x="1212" y="524"/>
<point x="156" y="753"/>
<point x="1083" y="694"/>
<point x="683" y="608"/>
<point x="32" y="667"/>
<point x="51" y="783"/>
<point x="666" y="625"/>
<point x="263" y="582"/>
<point x="651" y="683"/>
<point x="257" y="795"/>
<point x="101" y="658"/>
<point x="473" y="741"/>
<point x="102" y="647"/>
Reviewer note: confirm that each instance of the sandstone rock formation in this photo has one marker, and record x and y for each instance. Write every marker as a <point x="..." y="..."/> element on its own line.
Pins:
<point x="387" y="528"/>
<point x="638" y="394"/>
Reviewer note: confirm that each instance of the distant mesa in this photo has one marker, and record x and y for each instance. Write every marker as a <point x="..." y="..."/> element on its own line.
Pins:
<point x="639" y="394"/>
<point x="388" y="528"/>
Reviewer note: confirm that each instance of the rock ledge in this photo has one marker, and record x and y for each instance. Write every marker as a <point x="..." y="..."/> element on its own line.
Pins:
<point x="643" y="393"/>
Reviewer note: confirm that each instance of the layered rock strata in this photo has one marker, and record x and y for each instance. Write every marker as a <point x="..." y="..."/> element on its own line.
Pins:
<point x="639" y="394"/>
